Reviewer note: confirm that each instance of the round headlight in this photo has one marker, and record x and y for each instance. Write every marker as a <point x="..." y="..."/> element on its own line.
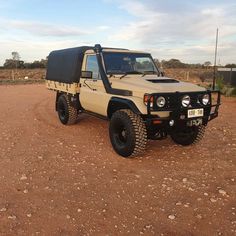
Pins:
<point x="205" y="99"/>
<point x="161" y="101"/>
<point x="185" y="101"/>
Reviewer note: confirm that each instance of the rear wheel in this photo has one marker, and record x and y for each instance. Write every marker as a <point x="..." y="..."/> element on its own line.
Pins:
<point x="128" y="133"/>
<point x="66" y="112"/>
<point x="188" y="135"/>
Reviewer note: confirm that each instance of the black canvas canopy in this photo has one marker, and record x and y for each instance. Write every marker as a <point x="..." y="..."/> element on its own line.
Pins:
<point x="65" y="65"/>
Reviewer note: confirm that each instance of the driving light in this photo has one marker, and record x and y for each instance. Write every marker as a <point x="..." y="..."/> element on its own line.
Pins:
<point x="171" y="122"/>
<point x="185" y="101"/>
<point x="205" y="99"/>
<point x="161" y="101"/>
<point x="147" y="98"/>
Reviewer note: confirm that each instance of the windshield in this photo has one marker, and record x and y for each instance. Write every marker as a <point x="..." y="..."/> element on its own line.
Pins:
<point x="124" y="63"/>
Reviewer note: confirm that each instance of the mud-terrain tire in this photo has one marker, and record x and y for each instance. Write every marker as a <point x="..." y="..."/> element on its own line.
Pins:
<point x="66" y="112"/>
<point x="188" y="135"/>
<point x="128" y="133"/>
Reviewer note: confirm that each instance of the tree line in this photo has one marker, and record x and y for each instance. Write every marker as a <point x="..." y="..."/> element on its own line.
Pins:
<point x="176" y="63"/>
<point x="14" y="63"/>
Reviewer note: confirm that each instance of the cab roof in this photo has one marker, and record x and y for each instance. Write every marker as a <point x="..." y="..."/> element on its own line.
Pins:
<point x="116" y="50"/>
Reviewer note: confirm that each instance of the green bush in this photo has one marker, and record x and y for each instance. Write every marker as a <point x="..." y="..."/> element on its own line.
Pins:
<point x="220" y="83"/>
<point x="233" y="93"/>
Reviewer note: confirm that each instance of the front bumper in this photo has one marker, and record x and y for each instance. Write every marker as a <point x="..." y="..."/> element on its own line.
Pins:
<point x="178" y="113"/>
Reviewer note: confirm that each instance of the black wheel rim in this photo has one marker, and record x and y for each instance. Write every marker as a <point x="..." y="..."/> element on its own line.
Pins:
<point x="120" y="134"/>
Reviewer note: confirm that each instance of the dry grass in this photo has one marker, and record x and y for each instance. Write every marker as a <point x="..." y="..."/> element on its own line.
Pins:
<point x="8" y="76"/>
<point x="189" y="75"/>
<point x="22" y="76"/>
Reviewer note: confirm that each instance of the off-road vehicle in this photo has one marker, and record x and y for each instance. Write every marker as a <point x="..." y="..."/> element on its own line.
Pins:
<point x="128" y="89"/>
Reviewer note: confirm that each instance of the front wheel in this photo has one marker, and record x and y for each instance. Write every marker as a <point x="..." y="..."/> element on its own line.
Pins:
<point x="188" y="135"/>
<point x="128" y="133"/>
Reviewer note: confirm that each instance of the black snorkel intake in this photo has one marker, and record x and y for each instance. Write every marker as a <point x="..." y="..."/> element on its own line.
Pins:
<point x="98" y="50"/>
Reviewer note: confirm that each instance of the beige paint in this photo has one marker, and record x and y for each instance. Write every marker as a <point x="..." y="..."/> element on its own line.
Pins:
<point x="64" y="87"/>
<point x="140" y="85"/>
<point x="93" y="96"/>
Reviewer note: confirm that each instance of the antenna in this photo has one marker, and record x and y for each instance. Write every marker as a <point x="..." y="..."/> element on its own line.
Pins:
<point x="214" y="77"/>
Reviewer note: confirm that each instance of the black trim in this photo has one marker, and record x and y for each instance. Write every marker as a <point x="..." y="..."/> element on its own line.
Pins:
<point x="86" y="74"/>
<point x="65" y="65"/>
<point x="57" y="96"/>
<point x="96" y="115"/>
<point x="98" y="50"/>
<point x="117" y="103"/>
<point x="214" y="114"/>
<point x="164" y="81"/>
<point x="173" y="105"/>
<point x="73" y="100"/>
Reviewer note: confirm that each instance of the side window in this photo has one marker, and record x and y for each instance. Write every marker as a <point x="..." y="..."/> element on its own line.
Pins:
<point x="92" y="65"/>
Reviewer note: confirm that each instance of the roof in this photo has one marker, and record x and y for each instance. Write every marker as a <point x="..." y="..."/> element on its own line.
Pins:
<point x="65" y="65"/>
<point x="226" y="69"/>
<point x="117" y="50"/>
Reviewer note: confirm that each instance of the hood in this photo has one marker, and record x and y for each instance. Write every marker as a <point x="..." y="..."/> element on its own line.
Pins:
<point x="152" y="84"/>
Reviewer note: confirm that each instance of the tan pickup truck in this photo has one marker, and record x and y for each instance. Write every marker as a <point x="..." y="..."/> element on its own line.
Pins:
<point x="126" y="88"/>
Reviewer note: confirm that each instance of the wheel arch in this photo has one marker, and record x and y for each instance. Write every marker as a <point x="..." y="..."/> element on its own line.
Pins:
<point x="117" y="103"/>
<point x="73" y="100"/>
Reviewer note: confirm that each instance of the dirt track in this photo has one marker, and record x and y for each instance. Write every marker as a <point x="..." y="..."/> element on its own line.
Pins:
<point x="58" y="180"/>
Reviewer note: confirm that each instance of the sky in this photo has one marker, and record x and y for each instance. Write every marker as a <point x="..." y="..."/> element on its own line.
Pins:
<point x="183" y="29"/>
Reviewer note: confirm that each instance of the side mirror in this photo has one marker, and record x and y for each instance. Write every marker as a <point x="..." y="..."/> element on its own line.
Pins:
<point x="87" y="74"/>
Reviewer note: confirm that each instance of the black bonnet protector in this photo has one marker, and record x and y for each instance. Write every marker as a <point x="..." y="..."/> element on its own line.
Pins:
<point x="98" y="50"/>
<point x="162" y="81"/>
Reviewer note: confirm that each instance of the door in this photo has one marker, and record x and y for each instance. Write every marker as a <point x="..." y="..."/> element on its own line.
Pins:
<point x="93" y="96"/>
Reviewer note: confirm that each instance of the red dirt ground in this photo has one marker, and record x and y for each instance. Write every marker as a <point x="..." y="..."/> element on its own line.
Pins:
<point x="67" y="180"/>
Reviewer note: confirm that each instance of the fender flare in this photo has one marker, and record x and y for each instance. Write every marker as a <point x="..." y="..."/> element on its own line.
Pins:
<point x="74" y="100"/>
<point x="117" y="103"/>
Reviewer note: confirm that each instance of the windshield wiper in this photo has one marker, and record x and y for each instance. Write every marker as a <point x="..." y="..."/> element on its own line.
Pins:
<point x="114" y="72"/>
<point x="130" y="73"/>
<point x="147" y="72"/>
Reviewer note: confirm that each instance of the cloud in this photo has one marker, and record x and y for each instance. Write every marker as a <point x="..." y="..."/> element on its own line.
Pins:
<point x="168" y="29"/>
<point x="156" y="24"/>
<point x="34" y="49"/>
<point x="43" y="29"/>
<point x="103" y="27"/>
<point x="34" y="40"/>
<point x="194" y="24"/>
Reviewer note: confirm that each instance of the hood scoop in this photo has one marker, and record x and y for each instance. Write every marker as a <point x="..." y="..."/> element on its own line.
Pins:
<point x="163" y="81"/>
